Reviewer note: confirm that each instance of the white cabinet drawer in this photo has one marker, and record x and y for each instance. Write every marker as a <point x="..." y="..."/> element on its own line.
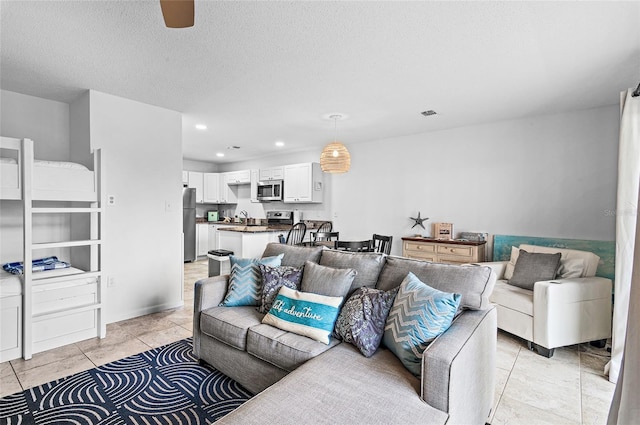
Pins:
<point x="419" y="247"/>
<point x="457" y="250"/>
<point x="46" y="300"/>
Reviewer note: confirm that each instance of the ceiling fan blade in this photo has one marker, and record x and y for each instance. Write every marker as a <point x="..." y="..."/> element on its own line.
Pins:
<point x="177" y="13"/>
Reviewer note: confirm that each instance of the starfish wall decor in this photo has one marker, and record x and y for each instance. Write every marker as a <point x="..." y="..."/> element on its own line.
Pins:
<point x="418" y="221"/>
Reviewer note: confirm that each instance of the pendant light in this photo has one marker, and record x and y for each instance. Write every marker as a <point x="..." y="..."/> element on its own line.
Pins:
<point x="335" y="157"/>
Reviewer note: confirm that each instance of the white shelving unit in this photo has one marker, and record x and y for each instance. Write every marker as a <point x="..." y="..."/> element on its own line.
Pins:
<point x="62" y="309"/>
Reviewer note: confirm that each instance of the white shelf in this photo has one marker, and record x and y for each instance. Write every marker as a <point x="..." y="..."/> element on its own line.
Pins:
<point x="65" y="244"/>
<point x="65" y="278"/>
<point x="65" y="210"/>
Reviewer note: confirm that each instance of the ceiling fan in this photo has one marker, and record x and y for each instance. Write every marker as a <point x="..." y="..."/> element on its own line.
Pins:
<point x="177" y="13"/>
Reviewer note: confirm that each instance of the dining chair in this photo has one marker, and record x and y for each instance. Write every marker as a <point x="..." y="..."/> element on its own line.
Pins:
<point x="381" y="243"/>
<point x="353" y="246"/>
<point x="296" y="234"/>
<point x="325" y="236"/>
<point x="326" y="226"/>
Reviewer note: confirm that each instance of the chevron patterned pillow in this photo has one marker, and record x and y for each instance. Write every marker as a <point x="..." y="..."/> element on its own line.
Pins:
<point x="419" y="314"/>
<point x="245" y="280"/>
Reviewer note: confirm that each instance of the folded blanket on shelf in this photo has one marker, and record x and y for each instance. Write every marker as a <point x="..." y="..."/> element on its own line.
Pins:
<point x="38" y="265"/>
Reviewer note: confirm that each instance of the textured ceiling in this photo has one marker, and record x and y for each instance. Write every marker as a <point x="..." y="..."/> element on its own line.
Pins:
<point x="257" y="72"/>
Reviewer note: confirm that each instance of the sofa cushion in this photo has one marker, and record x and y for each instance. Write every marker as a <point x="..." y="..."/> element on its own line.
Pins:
<point x="366" y="264"/>
<point x="294" y="256"/>
<point x="327" y="281"/>
<point x="570" y="267"/>
<point x="508" y="270"/>
<point x="419" y="314"/>
<point x="341" y="386"/>
<point x="474" y="283"/>
<point x="513" y="297"/>
<point x="283" y="349"/>
<point x="245" y="280"/>
<point x="304" y="313"/>
<point x="534" y="267"/>
<point x="363" y="317"/>
<point x="273" y="278"/>
<point x="230" y="324"/>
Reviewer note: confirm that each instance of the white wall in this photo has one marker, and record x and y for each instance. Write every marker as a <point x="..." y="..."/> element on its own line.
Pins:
<point x="142" y="146"/>
<point x="201" y="166"/>
<point x="552" y="176"/>
<point x="46" y="122"/>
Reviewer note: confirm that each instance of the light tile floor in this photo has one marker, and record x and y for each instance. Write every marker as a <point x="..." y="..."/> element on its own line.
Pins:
<point x="569" y="388"/>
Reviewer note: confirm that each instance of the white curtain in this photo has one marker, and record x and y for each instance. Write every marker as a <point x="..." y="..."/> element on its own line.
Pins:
<point x="624" y="367"/>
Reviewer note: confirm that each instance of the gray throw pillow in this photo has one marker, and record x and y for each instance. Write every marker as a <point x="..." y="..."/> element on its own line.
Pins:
<point x="366" y="264"/>
<point x="533" y="267"/>
<point x="363" y="317"/>
<point x="294" y="256"/>
<point x="326" y="280"/>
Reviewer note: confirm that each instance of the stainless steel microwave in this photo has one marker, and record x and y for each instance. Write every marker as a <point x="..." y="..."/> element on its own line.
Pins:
<point x="270" y="190"/>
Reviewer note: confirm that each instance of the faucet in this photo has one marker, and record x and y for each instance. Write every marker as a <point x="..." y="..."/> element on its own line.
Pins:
<point x="246" y="215"/>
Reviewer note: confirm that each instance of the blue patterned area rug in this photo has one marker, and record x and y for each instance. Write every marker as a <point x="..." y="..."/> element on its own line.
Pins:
<point x="165" y="385"/>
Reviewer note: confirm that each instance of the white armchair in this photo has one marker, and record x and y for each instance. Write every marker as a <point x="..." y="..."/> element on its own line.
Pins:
<point x="571" y="309"/>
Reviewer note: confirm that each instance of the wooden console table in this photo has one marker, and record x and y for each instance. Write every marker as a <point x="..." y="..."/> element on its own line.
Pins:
<point x="443" y="251"/>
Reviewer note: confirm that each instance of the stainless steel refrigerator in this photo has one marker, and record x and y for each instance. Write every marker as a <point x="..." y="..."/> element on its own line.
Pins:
<point x="189" y="223"/>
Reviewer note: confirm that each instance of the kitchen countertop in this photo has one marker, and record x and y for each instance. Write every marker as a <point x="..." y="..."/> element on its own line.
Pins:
<point x="203" y="220"/>
<point x="311" y="225"/>
<point x="254" y="229"/>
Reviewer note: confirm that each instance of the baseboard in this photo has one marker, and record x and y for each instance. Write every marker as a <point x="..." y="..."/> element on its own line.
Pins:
<point x="144" y="311"/>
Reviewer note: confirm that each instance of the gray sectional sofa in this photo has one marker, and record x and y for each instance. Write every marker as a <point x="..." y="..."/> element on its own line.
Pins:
<point x="300" y="381"/>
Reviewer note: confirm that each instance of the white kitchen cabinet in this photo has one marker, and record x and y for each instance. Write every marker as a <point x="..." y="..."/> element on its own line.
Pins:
<point x="303" y="183"/>
<point x="239" y="177"/>
<point x="246" y="244"/>
<point x="196" y="181"/>
<point x="211" y="188"/>
<point x="274" y="173"/>
<point x="228" y="195"/>
<point x="214" y="234"/>
<point x="202" y="237"/>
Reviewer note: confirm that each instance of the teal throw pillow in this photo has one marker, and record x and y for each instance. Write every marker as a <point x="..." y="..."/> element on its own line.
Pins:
<point x="419" y="314"/>
<point x="245" y="280"/>
<point x="304" y="313"/>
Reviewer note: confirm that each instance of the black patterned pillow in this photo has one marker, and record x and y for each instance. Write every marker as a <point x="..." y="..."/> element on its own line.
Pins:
<point x="362" y="318"/>
<point x="273" y="278"/>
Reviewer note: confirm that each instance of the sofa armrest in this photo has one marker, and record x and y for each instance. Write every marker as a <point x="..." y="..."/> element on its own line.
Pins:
<point x="208" y="293"/>
<point x="458" y="368"/>
<point x="571" y="311"/>
<point x="498" y="267"/>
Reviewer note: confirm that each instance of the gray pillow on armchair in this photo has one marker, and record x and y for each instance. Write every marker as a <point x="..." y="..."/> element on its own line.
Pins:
<point x="534" y="267"/>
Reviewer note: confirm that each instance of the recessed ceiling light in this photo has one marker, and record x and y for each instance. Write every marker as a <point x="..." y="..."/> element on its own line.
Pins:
<point x="201" y="126"/>
<point x="279" y="143"/>
<point x="219" y="154"/>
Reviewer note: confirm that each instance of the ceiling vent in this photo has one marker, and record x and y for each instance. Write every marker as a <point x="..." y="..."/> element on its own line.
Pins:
<point x="428" y="113"/>
<point x="233" y="147"/>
